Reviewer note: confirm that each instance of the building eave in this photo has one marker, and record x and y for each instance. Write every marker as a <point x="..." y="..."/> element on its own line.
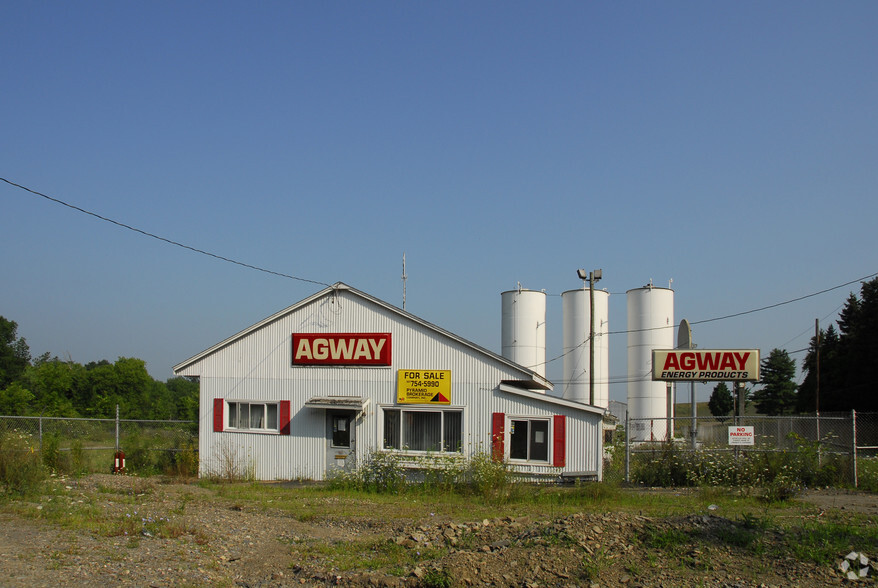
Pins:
<point x="510" y="389"/>
<point x="529" y="378"/>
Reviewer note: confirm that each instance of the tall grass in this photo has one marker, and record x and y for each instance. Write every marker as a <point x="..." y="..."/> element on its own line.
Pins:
<point x="22" y="472"/>
<point x="384" y="472"/>
<point x="779" y="475"/>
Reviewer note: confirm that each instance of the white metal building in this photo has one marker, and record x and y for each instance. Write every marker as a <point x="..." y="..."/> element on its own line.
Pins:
<point x="322" y="384"/>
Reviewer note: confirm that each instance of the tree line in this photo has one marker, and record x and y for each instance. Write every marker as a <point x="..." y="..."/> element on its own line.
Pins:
<point x="49" y="386"/>
<point x="837" y="367"/>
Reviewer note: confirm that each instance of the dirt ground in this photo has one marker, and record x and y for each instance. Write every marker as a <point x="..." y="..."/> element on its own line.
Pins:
<point x="217" y="541"/>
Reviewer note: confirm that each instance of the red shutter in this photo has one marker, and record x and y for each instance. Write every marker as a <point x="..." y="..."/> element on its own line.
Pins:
<point x="218" y="421"/>
<point x="284" y="417"/>
<point x="559" y="441"/>
<point x="498" y="426"/>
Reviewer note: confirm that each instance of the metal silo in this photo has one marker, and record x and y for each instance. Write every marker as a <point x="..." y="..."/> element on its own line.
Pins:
<point x="523" y="328"/>
<point x="650" y="326"/>
<point x="576" y="306"/>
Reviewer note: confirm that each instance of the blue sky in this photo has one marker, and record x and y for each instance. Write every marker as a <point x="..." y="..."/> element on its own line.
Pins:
<point x="729" y="146"/>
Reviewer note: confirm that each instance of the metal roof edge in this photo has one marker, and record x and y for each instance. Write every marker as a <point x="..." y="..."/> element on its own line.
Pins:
<point x="533" y="378"/>
<point x="509" y="389"/>
<point x="241" y="334"/>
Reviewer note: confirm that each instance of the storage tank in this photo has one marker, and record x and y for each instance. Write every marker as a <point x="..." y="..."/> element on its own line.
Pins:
<point x="523" y="328"/>
<point x="576" y="307"/>
<point x="650" y="326"/>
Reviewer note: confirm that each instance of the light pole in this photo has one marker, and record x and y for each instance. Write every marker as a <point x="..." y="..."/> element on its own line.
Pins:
<point x="592" y="277"/>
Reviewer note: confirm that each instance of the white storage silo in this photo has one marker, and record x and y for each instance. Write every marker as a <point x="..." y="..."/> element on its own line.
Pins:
<point x="576" y="306"/>
<point x="523" y="328"/>
<point x="650" y="326"/>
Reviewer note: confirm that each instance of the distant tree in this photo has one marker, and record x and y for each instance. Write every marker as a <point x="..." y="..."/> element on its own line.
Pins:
<point x="778" y="393"/>
<point x="184" y="394"/>
<point x="14" y="353"/>
<point x="15" y="400"/>
<point x="847" y="358"/>
<point x="51" y="383"/>
<point x="830" y="364"/>
<point x="721" y="402"/>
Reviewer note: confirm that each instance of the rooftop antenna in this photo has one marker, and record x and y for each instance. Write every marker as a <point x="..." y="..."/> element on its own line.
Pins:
<point x="404" y="278"/>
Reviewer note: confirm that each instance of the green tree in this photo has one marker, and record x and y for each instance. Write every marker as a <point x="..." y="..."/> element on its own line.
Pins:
<point x="184" y="394"/>
<point x="15" y="400"/>
<point x="14" y="353"/>
<point x="778" y="393"/>
<point x="721" y="402"/>
<point x="51" y="383"/>
<point x="846" y="358"/>
<point x="830" y="363"/>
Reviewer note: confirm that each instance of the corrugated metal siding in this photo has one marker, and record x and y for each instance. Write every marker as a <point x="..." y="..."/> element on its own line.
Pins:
<point x="258" y="367"/>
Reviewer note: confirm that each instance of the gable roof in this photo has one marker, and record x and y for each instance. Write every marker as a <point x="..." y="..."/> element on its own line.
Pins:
<point x="529" y="378"/>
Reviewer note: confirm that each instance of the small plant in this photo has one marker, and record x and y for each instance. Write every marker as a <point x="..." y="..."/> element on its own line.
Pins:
<point x="380" y="472"/>
<point x="53" y="457"/>
<point x="593" y="566"/>
<point x="21" y="469"/>
<point x="782" y="488"/>
<point x="867" y="474"/>
<point x="436" y="578"/>
<point x="185" y="461"/>
<point x="671" y="540"/>
<point x="229" y="466"/>
<point x="492" y="480"/>
<point x="77" y="457"/>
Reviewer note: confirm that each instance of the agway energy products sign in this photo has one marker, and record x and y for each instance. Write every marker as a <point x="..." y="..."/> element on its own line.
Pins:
<point x="703" y="365"/>
<point x="423" y="387"/>
<point x="341" y="348"/>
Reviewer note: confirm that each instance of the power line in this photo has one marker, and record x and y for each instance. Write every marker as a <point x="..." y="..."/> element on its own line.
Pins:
<point x="752" y="311"/>
<point x="291" y="277"/>
<point x="166" y="240"/>
<point x="719" y="318"/>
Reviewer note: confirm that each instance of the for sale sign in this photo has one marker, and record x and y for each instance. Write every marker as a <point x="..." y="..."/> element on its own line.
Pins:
<point x="423" y="387"/>
<point x="741" y="436"/>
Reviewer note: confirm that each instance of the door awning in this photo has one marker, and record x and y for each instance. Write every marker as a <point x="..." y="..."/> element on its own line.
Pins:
<point x="357" y="403"/>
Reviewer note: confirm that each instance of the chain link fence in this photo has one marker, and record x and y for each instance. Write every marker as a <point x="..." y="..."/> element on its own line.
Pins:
<point x="89" y="445"/>
<point x="852" y="436"/>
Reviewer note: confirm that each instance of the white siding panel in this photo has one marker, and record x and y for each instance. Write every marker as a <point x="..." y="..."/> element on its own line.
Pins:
<point x="258" y="367"/>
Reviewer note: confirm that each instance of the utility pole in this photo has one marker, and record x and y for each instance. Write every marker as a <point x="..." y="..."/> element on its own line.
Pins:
<point x="404" y="278"/>
<point x="817" y="389"/>
<point x="592" y="277"/>
<point x="817" y="351"/>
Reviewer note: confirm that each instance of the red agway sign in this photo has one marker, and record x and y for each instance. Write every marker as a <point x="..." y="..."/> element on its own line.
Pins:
<point x="341" y="349"/>
<point x="704" y="365"/>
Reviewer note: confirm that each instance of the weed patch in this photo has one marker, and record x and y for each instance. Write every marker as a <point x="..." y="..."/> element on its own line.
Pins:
<point x="21" y="469"/>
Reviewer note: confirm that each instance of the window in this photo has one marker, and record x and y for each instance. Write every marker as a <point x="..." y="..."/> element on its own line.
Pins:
<point x="341" y="430"/>
<point x="253" y="416"/>
<point x="529" y="439"/>
<point x="423" y="430"/>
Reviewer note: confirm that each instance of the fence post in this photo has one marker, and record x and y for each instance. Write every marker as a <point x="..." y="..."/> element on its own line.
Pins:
<point x="117" y="427"/>
<point x="627" y="450"/>
<point x="854" y="447"/>
<point x="41" y="433"/>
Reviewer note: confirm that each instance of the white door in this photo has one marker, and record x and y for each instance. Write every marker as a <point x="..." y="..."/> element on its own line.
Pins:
<point x="340" y="439"/>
